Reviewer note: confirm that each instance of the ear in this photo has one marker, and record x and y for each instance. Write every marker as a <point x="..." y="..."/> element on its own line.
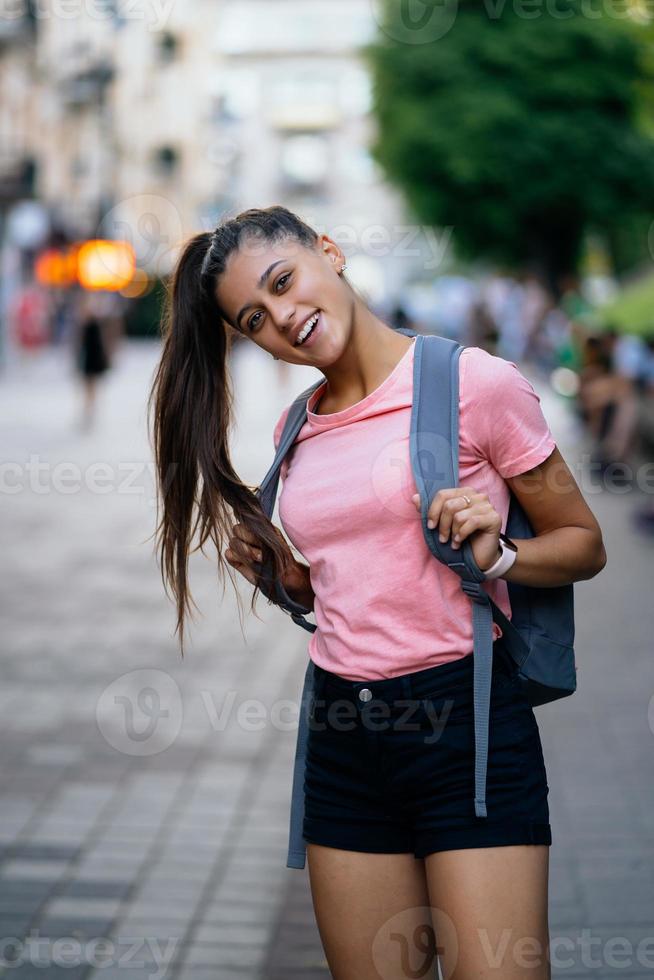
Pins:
<point x="330" y="251"/>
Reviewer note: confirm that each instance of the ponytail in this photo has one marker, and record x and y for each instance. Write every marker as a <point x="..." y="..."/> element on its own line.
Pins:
<point x="197" y="487"/>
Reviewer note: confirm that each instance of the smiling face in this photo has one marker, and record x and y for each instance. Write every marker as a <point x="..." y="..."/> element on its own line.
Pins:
<point x="270" y="291"/>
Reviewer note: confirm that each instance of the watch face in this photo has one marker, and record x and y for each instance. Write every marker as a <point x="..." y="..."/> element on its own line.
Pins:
<point x="508" y="542"/>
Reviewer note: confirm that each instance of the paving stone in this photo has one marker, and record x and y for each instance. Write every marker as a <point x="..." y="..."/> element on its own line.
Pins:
<point x="38" y="852"/>
<point x="96" y="889"/>
<point x="234" y="956"/>
<point x="27" y="906"/>
<point x="29" y="972"/>
<point x="33" y="870"/>
<point x="168" y="922"/>
<point x="235" y="935"/>
<point x="54" y="755"/>
<point x="240" y="912"/>
<point x="56" y="927"/>
<point x="117" y="872"/>
<point x="243" y="892"/>
<point x="83" y="907"/>
<point x="14" y="926"/>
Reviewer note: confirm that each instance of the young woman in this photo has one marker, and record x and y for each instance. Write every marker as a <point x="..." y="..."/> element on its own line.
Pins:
<point x="394" y="848"/>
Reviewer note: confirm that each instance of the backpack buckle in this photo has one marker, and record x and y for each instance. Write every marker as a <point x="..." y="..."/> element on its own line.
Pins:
<point x="474" y="591"/>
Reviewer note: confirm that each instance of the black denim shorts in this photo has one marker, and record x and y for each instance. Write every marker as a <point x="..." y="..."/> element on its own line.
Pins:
<point x="390" y="763"/>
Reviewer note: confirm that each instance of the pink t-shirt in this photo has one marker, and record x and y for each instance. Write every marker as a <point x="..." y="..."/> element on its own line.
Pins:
<point x="384" y="605"/>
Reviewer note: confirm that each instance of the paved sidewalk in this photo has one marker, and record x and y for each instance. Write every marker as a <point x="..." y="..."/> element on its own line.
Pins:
<point x="144" y="803"/>
<point x="142" y="800"/>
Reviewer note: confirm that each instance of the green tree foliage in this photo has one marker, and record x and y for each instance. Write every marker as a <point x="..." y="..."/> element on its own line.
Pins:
<point x="519" y="125"/>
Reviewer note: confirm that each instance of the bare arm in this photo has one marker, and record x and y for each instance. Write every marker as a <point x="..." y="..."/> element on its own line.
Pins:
<point x="568" y="542"/>
<point x="568" y="545"/>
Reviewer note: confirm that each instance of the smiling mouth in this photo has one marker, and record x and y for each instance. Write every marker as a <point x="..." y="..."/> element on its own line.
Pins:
<point x="307" y="329"/>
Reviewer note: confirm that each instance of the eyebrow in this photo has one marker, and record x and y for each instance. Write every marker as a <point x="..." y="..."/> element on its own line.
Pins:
<point x="261" y="282"/>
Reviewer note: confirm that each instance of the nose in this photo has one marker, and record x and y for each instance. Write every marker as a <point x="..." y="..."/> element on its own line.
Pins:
<point x="285" y="318"/>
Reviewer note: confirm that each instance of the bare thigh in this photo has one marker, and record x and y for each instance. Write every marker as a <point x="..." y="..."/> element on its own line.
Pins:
<point x="372" y="912"/>
<point x="490" y="912"/>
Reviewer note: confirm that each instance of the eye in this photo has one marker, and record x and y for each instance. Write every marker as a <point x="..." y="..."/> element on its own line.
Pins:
<point x="282" y="279"/>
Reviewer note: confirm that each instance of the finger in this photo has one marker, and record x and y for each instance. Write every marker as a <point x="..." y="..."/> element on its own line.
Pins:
<point x="243" y="554"/>
<point x="442" y="497"/>
<point x="241" y="533"/>
<point x="479" y="508"/>
<point x="472" y="523"/>
<point x="446" y="519"/>
<point x="235" y="560"/>
<point x="478" y="522"/>
<point x="452" y="506"/>
<point x="243" y="569"/>
<point x="436" y="507"/>
<point x="248" y="553"/>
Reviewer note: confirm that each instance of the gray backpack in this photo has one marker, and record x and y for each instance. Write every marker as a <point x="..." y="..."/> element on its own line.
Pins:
<point x="539" y="637"/>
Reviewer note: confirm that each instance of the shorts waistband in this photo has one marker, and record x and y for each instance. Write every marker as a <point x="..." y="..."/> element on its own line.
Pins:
<point x="417" y="684"/>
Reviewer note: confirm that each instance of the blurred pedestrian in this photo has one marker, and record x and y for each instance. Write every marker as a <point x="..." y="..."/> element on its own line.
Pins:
<point x="643" y="516"/>
<point x="608" y="398"/>
<point x="92" y="358"/>
<point x="481" y="327"/>
<point x="29" y="316"/>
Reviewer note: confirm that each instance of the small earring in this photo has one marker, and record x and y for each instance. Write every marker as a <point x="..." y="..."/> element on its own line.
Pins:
<point x="344" y="266"/>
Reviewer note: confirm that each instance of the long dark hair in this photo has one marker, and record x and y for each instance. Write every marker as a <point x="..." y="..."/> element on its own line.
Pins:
<point x="193" y="404"/>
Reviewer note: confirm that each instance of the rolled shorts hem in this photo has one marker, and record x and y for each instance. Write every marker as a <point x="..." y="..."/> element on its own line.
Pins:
<point x="501" y="836"/>
<point x="369" y="847"/>
<point x="528" y="832"/>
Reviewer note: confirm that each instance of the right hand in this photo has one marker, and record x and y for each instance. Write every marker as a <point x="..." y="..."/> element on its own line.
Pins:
<point x="243" y="551"/>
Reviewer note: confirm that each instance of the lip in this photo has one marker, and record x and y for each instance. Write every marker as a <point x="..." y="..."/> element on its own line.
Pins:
<point x="301" y="328"/>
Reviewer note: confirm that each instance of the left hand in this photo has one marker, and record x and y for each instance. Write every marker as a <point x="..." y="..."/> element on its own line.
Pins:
<point x="451" y="514"/>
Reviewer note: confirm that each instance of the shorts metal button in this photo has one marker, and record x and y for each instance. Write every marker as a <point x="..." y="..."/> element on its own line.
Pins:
<point x="365" y="694"/>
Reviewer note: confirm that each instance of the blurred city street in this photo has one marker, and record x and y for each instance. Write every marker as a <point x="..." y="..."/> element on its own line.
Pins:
<point x="480" y="172"/>
<point x="145" y="806"/>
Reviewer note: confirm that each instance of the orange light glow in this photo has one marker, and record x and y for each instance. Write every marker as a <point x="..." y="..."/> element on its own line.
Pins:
<point x="103" y="264"/>
<point x="55" y="268"/>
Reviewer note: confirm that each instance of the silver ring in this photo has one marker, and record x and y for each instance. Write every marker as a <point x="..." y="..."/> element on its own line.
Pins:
<point x="467" y="499"/>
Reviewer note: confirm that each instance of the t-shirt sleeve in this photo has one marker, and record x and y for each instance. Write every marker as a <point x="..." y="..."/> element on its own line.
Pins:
<point x="506" y="424"/>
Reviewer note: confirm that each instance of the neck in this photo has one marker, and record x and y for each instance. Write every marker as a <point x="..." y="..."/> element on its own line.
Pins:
<point x="373" y="351"/>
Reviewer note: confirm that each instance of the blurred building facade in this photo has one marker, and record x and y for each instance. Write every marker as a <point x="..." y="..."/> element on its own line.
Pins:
<point x="149" y="123"/>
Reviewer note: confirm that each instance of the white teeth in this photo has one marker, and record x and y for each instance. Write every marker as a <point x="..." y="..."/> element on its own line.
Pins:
<point x="306" y="329"/>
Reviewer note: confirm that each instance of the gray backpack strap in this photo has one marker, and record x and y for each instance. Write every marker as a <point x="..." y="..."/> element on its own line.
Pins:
<point x="434" y="449"/>
<point x="297" y="848"/>
<point x="267" y="494"/>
